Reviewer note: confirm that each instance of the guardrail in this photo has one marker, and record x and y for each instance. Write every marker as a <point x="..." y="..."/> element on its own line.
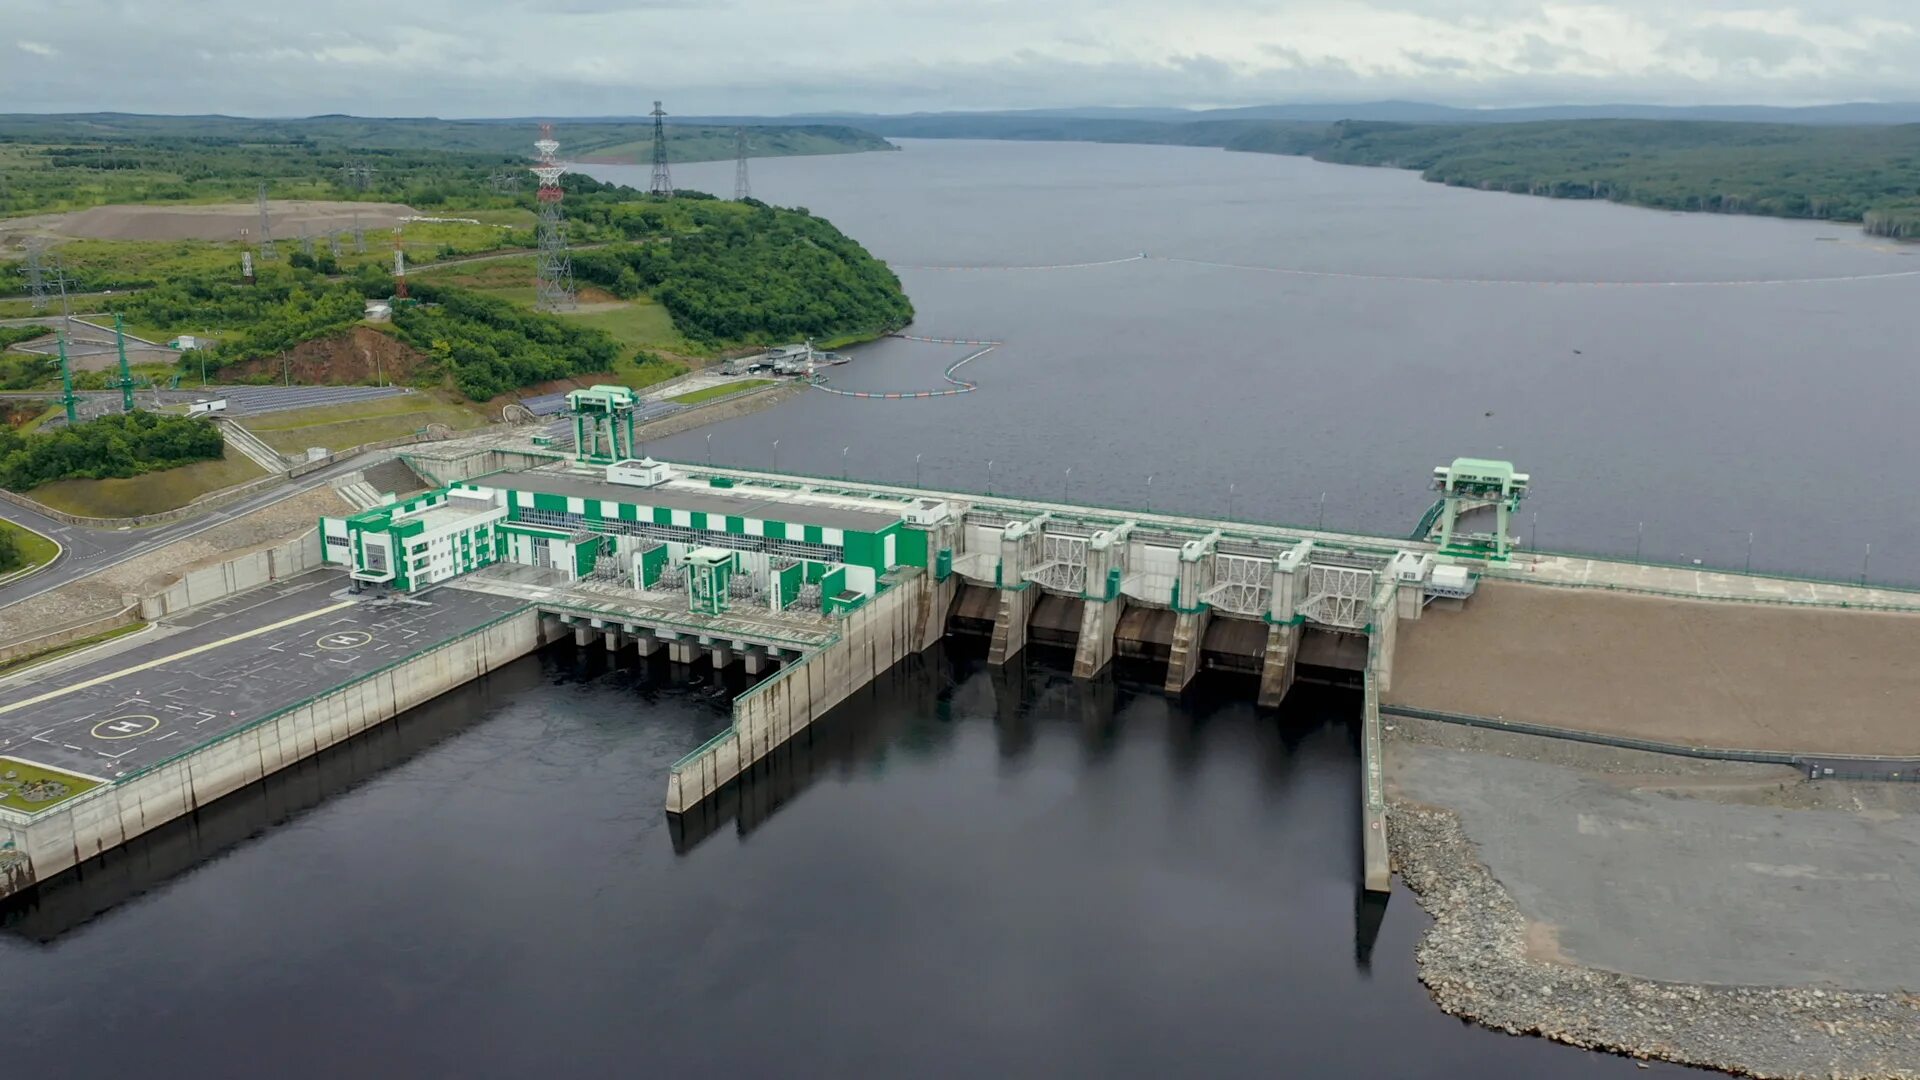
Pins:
<point x="1796" y="758"/>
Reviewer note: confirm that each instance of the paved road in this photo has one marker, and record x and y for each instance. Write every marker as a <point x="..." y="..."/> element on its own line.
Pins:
<point x="89" y="551"/>
<point x="241" y="400"/>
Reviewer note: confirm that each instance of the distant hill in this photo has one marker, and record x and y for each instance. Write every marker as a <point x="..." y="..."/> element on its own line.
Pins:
<point x="1815" y="167"/>
<point x="608" y="139"/>
<point x="1406" y="112"/>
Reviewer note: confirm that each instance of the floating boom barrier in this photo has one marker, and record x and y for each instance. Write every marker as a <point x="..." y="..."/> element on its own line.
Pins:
<point x="959" y="386"/>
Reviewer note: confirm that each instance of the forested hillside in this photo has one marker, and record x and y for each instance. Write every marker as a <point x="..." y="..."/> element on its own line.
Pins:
<point x="1834" y="173"/>
<point x="71" y="162"/>
<point x="1863" y="173"/>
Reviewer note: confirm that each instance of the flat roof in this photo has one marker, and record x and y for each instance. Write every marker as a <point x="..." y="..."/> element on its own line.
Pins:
<point x="451" y="513"/>
<point x="705" y="500"/>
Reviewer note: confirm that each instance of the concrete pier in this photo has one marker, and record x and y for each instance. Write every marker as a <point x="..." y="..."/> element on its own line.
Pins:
<point x="646" y="644"/>
<point x="720" y="656"/>
<point x="1276" y="671"/>
<point x="1010" y="625"/>
<point x="871" y="639"/>
<point x="1099" y="619"/>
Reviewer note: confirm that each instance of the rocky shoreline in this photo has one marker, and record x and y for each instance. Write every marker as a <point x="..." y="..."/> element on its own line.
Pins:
<point x="1476" y="963"/>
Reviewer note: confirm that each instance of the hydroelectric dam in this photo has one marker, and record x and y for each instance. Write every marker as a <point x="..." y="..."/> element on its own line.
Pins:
<point x="816" y="586"/>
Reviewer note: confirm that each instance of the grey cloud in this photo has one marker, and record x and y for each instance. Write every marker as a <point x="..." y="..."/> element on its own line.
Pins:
<point x="1734" y="44"/>
<point x="507" y="57"/>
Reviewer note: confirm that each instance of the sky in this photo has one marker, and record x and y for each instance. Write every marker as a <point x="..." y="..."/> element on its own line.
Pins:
<point x="457" y="58"/>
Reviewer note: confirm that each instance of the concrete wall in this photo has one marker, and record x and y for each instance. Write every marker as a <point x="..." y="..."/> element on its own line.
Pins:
<point x="291" y="559"/>
<point x="66" y="635"/>
<point x="872" y="639"/>
<point x="62" y="837"/>
<point x="726" y="408"/>
<point x="204" y="503"/>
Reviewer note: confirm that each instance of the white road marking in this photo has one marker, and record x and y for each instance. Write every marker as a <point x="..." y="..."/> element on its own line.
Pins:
<point x="151" y="664"/>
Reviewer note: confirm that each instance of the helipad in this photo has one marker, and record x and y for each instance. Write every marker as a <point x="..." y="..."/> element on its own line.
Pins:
<point x="234" y="663"/>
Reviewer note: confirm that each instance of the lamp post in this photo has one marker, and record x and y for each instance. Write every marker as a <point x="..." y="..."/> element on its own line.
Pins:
<point x="916" y="470"/>
<point x="776" y="455"/>
<point x="1066" y="484"/>
<point x="989" y="476"/>
<point x="709" y="449"/>
<point x="1639" y="539"/>
<point x="1230" y="489"/>
<point x="1321" y="523"/>
<point x="843" y="463"/>
<point x="1149" y="493"/>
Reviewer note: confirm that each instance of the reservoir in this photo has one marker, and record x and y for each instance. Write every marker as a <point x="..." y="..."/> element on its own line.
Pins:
<point x="969" y="870"/>
<point x="1673" y="382"/>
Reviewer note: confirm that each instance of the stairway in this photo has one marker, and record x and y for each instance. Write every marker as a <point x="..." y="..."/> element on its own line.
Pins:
<point x="354" y="488"/>
<point x="251" y="445"/>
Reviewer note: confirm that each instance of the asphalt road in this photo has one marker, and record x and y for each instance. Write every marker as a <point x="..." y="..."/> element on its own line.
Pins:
<point x="89" y="551"/>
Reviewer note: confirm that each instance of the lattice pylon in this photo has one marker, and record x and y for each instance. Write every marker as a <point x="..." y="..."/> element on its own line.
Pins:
<point x="553" y="265"/>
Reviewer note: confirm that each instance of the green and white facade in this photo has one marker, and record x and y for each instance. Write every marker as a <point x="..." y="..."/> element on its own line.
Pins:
<point x="423" y="541"/>
<point x="637" y="524"/>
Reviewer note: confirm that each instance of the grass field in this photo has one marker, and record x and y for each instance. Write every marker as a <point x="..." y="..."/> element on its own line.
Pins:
<point x="638" y="324"/>
<point x="337" y="427"/>
<point x="18" y="779"/>
<point x="148" y="493"/>
<point x="723" y="390"/>
<point x="35" y="550"/>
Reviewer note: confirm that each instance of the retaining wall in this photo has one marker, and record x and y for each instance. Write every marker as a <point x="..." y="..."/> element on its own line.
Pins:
<point x="291" y="559"/>
<point x="726" y="408"/>
<point x="67" y="635"/>
<point x="872" y="639"/>
<point x="59" y="838"/>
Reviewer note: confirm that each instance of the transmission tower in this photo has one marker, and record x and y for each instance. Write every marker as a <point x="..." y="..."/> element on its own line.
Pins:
<point x="306" y="242"/>
<point x="742" y="190"/>
<point x="333" y="242"/>
<point x="399" y="266"/>
<point x="662" y="179"/>
<point x="266" y="228"/>
<point x="359" y="237"/>
<point x="36" y="276"/>
<point x="553" y="281"/>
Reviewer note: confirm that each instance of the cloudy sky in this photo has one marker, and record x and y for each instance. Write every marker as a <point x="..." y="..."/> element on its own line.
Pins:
<point x="595" y="57"/>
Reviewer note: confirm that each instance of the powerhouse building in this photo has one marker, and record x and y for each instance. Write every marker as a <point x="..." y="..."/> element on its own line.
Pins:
<point x="640" y="524"/>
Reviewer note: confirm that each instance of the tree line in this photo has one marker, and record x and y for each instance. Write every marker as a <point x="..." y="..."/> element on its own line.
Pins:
<point x="119" y="445"/>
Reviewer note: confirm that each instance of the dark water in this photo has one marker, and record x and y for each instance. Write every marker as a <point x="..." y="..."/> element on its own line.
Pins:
<point x="1707" y="412"/>
<point x="967" y="871"/>
<point x="964" y="872"/>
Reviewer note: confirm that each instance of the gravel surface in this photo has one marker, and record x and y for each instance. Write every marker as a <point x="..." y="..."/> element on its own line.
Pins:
<point x="1486" y="960"/>
<point x="1477" y="964"/>
<point x="100" y="594"/>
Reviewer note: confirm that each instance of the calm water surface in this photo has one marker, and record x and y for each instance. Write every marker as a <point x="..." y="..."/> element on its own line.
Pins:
<point x="968" y="871"/>
<point x="965" y="872"/>
<point x="1576" y="339"/>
